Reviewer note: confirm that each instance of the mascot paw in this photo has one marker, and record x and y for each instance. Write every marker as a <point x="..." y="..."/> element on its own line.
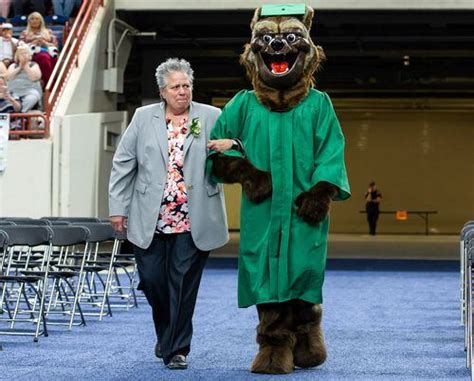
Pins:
<point x="258" y="186"/>
<point x="310" y="209"/>
<point x="273" y="360"/>
<point x="313" y="205"/>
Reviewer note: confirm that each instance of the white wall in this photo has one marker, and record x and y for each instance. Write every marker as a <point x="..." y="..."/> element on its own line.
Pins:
<point x="25" y="185"/>
<point x="85" y="161"/>
<point x="319" y="4"/>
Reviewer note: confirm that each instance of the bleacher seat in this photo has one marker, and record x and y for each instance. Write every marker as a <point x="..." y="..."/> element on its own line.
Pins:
<point x="55" y="19"/>
<point x="20" y="20"/>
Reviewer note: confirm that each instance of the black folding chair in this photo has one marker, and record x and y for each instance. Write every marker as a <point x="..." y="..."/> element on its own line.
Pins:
<point x="98" y="270"/>
<point x="71" y="246"/>
<point x="21" y="242"/>
<point x="3" y="244"/>
<point x="469" y="307"/>
<point x="468" y="226"/>
<point x="72" y="219"/>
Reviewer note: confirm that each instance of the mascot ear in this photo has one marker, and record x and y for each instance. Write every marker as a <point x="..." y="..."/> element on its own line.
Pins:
<point x="308" y="17"/>
<point x="256" y="17"/>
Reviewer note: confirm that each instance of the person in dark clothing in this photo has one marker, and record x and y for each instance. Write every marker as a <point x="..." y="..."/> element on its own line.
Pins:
<point x="372" y="198"/>
<point x="24" y="7"/>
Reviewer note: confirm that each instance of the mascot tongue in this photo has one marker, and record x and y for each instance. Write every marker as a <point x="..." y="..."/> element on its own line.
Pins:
<point x="279" y="67"/>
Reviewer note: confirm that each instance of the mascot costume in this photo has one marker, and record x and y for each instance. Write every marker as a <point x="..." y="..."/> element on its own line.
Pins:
<point x="291" y="166"/>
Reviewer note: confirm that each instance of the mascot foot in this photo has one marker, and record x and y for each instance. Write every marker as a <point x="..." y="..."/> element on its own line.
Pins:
<point x="310" y="350"/>
<point x="276" y="340"/>
<point x="273" y="360"/>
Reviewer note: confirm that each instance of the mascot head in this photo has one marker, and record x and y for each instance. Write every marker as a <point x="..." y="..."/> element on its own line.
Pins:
<point x="281" y="59"/>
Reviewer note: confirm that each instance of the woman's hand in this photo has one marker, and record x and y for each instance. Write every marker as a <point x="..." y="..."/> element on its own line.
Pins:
<point x="119" y="223"/>
<point x="40" y="42"/>
<point x="220" y="145"/>
<point x="23" y="60"/>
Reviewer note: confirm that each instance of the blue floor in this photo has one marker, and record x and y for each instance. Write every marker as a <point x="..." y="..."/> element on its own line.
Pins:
<point x="380" y="322"/>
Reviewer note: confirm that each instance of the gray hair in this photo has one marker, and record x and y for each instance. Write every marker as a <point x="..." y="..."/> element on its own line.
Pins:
<point x="173" y="65"/>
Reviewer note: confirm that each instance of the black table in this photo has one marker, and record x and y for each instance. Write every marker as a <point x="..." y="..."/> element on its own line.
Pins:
<point x="424" y="214"/>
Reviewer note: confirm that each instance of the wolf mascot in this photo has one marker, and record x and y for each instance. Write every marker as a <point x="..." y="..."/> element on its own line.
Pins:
<point x="291" y="167"/>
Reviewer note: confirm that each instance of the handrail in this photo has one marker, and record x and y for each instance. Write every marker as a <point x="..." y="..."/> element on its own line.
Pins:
<point x="29" y="124"/>
<point x="68" y="57"/>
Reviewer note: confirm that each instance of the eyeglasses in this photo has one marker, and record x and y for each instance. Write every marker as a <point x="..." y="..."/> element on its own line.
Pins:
<point x="178" y="87"/>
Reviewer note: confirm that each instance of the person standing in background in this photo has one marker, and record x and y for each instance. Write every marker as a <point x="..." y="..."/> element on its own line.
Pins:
<point x="5" y="8"/>
<point x="65" y="7"/>
<point x="23" y="7"/>
<point x="372" y="198"/>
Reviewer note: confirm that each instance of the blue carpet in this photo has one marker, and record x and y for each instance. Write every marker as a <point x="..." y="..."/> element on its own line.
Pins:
<point x="379" y="325"/>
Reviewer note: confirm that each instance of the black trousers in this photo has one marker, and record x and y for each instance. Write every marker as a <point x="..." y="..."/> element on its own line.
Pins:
<point x="372" y="217"/>
<point x="170" y="271"/>
<point x="25" y="7"/>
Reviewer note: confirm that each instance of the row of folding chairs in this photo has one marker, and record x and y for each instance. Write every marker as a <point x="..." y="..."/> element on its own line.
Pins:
<point x="60" y="271"/>
<point x="467" y="260"/>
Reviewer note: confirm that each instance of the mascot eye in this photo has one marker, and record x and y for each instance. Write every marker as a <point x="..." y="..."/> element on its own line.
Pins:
<point x="291" y="38"/>
<point x="267" y="39"/>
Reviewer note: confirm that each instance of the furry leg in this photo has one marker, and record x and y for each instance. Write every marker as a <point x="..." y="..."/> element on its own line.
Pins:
<point x="309" y="350"/>
<point x="275" y="339"/>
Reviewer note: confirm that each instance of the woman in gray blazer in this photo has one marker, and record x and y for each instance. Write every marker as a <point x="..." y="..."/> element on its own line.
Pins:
<point x="173" y="213"/>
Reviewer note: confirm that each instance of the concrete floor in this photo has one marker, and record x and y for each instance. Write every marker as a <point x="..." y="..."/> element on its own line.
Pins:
<point x="353" y="246"/>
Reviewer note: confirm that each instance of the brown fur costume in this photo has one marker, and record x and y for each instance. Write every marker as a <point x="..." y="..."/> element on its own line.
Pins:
<point x="289" y="333"/>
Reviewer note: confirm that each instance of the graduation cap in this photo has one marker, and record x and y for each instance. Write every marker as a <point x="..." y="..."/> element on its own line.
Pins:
<point x="269" y="10"/>
<point x="300" y="11"/>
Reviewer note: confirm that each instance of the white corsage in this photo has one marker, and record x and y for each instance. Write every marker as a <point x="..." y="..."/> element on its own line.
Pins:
<point x="195" y="127"/>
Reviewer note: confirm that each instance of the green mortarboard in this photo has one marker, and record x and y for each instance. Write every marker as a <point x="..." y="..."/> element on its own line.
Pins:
<point x="282" y="10"/>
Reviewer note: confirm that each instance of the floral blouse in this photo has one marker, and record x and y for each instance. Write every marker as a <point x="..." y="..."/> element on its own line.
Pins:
<point x="173" y="216"/>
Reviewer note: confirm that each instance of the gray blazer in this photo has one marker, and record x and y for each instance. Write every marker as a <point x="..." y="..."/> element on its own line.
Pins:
<point x="139" y="175"/>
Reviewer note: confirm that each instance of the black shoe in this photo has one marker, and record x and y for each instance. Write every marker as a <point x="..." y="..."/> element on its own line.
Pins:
<point x="158" y="350"/>
<point x="178" y="362"/>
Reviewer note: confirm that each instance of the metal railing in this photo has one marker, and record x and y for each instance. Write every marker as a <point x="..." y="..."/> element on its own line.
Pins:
<point x="28" y="125"/>
<point x="68" y="59"/>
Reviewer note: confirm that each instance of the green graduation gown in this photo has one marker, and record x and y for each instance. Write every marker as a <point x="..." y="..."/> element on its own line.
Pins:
<point x="281" y="256"/>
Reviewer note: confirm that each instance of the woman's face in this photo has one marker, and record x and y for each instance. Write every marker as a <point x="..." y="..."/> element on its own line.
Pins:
<point x="34" y="21"/>
<point x="23" y="55"/>
<point x="178" y="92"/>
<point x="7" y="32"/>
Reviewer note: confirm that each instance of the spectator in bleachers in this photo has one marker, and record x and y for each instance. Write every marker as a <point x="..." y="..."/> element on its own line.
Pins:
<point x="24" y="77"/>
<point x="63" y="7"/>
<point x="8" y="101"/>
<point x="5" y="8"/>
<point x="43" y="43"/>
<point x="8" y="43"/>
<point x="23" y="7"/>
